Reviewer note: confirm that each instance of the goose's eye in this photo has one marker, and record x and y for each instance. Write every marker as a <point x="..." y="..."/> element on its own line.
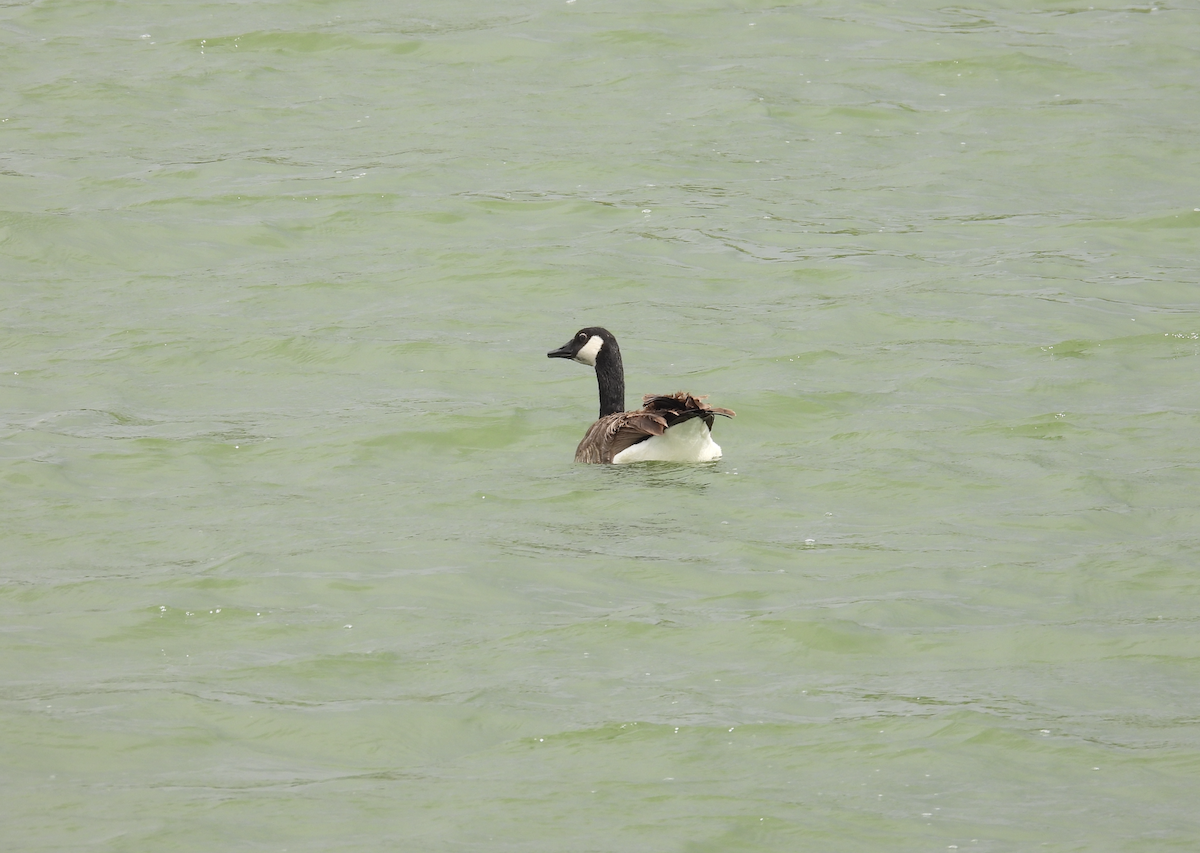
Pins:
<point x="582" y="336"/>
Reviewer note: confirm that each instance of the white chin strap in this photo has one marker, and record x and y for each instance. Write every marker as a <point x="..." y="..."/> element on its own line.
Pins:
<point x="588" y="352"/>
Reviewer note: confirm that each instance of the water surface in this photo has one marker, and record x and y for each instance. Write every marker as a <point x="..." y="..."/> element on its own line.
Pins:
<point x="296" y="557"/>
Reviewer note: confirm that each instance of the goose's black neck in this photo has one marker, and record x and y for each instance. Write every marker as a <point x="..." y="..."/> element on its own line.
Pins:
<point x="610" y="376"/>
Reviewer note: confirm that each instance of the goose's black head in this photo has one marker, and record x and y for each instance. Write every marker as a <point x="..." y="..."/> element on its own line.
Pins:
<point x="587" y="345"/>
<point x="596" y="347"/>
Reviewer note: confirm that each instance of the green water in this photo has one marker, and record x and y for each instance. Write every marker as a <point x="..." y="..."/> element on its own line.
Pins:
<point x="295" y="556"/>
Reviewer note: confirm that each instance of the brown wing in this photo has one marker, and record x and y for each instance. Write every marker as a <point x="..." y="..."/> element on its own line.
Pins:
<point x="591" y="449"/>
<point x="635" y="427"/>
<point x="610" y="435"/>
<point x="682" y="406"/>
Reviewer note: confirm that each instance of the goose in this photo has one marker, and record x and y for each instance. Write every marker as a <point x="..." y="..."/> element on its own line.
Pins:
<point x="668" y="428"/>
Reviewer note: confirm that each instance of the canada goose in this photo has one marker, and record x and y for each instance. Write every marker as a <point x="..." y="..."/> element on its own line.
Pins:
<point x="668" y="428"/>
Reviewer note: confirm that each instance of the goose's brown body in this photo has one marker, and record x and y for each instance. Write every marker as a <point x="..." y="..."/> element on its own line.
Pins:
<point x="607" y="437"/>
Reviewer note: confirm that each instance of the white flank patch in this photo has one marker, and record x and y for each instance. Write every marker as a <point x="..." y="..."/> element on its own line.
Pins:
<point x="587" y="355"/>
<point x="690" y="441"/>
